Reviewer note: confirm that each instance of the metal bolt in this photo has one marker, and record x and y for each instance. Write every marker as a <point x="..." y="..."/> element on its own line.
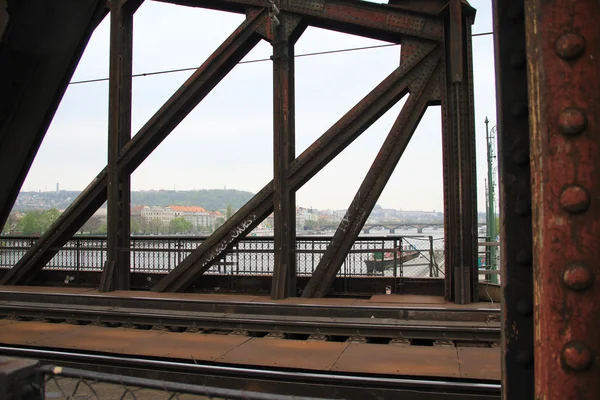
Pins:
<point x="570" y="46"/>
<point x="525" y="357"/>
<point x="516" y="13"/>
<point x="574" y="199"/>
<point x="523" y="207"/>
<point x="521" y="156"/>
<point x="572" y="121"/>
<point x="525" y="308"/>
<point x="519" y="109"/>
<point x="517" y="60"/>
<point x="524" y="257"/>
<point x="576" y="356"/>
<point x="578" y="277"/>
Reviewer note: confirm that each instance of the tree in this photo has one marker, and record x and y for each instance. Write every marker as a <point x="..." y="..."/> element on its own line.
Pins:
<point x="219" y="221"/>
<point x="32" y="223"/>
<point x="155" y="226"/>
<point x="11" y="224"/>
<point x="180" y="225"/>
<point x="229" y="211"/>
<point x="92" y="225"/>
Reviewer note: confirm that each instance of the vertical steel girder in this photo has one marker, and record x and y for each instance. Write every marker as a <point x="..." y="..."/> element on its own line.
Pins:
<point x="196" y="88"/>
<point x="563" y="40"/>
<point x="304" y="167"/>
<point x="284" y="152"/>
<point x="458" y="148"/>
<point x="115" y="275"/>
<point x="515" y="200"/>
<point x="421" y="89"/>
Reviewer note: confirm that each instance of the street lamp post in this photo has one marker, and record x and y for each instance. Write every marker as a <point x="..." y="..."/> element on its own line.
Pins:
<point x="492" y="229"/>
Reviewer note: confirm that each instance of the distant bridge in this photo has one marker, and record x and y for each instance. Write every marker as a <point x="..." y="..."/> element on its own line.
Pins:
<point x="393" y="226"/>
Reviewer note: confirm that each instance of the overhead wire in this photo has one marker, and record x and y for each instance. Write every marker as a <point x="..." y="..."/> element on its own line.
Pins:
<point x="318" y="53"/>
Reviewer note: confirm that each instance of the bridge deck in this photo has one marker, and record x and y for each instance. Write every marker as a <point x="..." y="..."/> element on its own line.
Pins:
<point x="359" y="358"/>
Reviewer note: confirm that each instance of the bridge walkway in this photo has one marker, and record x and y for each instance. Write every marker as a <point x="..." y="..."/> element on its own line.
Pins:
<point x="316" y="355"/>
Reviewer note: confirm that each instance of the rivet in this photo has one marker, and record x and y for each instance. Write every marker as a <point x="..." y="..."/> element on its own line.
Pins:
<point x="516" y="13"/>
<point x="524" y="257"/>
<point x="572" y="121"/>
<point x="519" y="109"/>
<point x="517" y="60"/>
<point x="576" y="356"/>
<point x="524" y="307"/>
<point x="521" y="156"/>
<point x="578" y="277"/>
<point x="574" y="199"/>
<point x="570" y="46"/>
<point x="523" y="207"/>
<point x="525" y="357"/>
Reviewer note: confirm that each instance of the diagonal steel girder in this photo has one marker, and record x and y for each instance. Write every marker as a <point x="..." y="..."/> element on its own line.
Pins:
<point x="422" y="91"/>
<point x="377" y="21"/>
<point x="187" y="97"/>
<point x="304" y="167"/>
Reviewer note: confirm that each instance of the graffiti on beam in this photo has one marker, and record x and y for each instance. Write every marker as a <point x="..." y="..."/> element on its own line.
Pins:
<point x="233" y="234"/>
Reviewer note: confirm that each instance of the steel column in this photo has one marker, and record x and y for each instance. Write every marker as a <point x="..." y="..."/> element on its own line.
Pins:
<point x="515" y="200"/>
<point x="116" y="271"/>
<point x="380" y="172"/>
<point x="563" y="40"/>
<point x="284" y="152"/>
<point x="458" y="145"/>
<point x="308" y="164"/>
<point x="196" y="88"/>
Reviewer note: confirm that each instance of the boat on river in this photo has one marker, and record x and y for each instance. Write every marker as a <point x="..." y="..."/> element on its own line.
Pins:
<point x="384" y="261"/>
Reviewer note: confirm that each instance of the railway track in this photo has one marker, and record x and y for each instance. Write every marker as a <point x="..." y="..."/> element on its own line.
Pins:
<point x="294" y="382"/>
<point x="257" y="325"/>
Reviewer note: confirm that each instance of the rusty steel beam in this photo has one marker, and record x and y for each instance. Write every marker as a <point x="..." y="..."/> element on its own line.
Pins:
<point x="196" y="88"/>
<point x="3" y="17"/>
<point x="421" y="89"/>
<point x="116" y="270"/>
<point x="377" y="21"/>
<point x="304" y="167"/>
<point x="458" y="147"/>
<point x="35" y="69"/>
<point x="563" y="40"/>
<point x="515" y="200"/>
<point x="284" y="151"/>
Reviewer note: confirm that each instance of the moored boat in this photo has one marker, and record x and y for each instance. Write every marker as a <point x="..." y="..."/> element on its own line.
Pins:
<point x="380" y="262"/>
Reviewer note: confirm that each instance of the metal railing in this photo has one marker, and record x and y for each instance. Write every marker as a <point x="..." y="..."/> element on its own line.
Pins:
<point x="27" y="379"/>
<point x="391" y="255"/>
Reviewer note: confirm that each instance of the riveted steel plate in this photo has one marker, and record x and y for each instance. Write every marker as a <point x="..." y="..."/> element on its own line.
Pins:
<point x="480" y="363"/>
<point x="99" y="339"/>
<point x="399" y="360"/>
<point x="272" y="352"/>
<point x="186" y="346"/>
<point x="34" y="332"/>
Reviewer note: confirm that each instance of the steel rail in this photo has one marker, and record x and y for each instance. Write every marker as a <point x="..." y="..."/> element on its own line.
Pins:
<point x="363" y="327"/>
<point x="296" y="382"/>
<point x="305" y="308"/>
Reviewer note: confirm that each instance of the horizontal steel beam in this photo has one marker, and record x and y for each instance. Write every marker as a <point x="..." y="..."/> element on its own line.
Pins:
<point x="304" y="167"/>
<point x="365" y="327"/>
<point x="196" y="88"/>
<point x="377" y="21"/>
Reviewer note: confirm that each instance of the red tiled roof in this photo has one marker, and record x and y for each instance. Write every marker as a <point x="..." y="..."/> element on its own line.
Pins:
<point x="187" y="208"/>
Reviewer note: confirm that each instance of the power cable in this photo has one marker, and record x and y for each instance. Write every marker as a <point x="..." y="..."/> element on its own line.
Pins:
<point x="319" y="53"/>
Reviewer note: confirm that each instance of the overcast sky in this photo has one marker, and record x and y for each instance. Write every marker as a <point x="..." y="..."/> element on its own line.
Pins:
<point x="227" y="140"/>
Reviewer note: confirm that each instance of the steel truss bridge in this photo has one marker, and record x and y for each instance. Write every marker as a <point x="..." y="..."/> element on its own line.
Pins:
<point x="430" y="345"/>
